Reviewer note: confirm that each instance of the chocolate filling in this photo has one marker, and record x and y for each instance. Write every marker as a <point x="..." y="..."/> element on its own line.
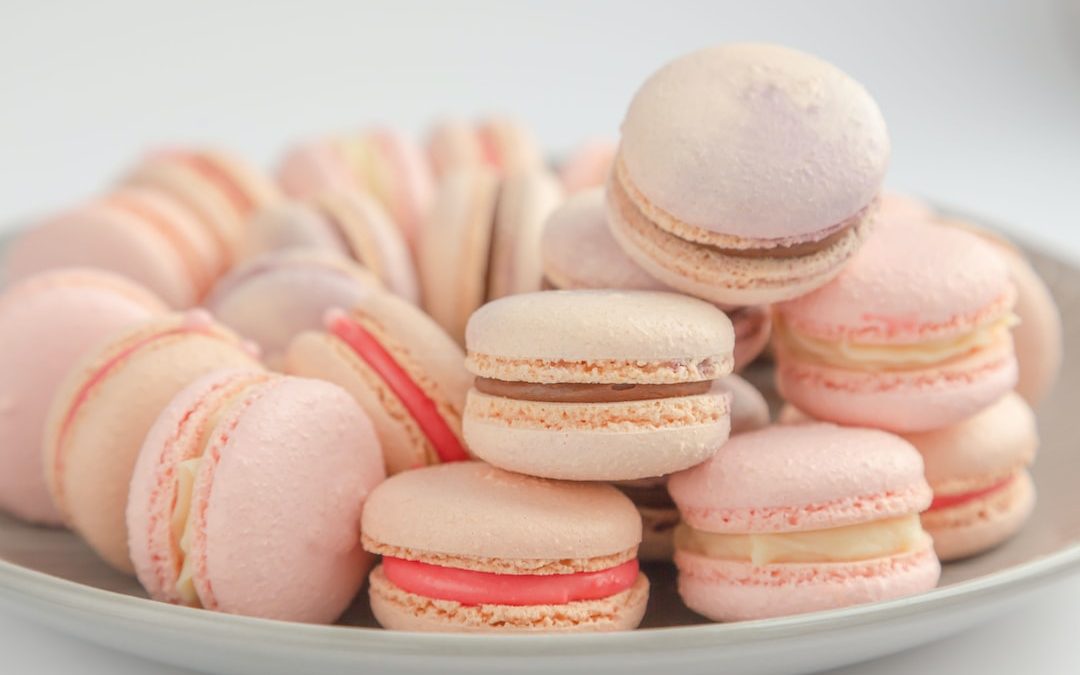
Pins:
<point x="587" y="393"/>
<point x="546" y="284"/>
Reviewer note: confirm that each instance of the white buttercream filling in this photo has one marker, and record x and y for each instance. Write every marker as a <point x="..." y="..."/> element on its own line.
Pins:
<point x="183" y="529"/>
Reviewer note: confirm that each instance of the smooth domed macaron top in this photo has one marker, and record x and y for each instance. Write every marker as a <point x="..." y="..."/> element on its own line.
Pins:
<point x="802" y="477"/>
<point x="755" y="140"/>
<point x="475" y="510"/>
<point x="589" y="325"/>
<point x="909" y="283"/>
<point x="579" y="250"/>
<point x="994" y="442"/>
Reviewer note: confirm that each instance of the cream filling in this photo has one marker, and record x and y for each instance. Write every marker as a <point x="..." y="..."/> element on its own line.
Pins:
<point x="183" y="529"/>
<point x="864" y="356"/>
<point x="865" y="541"/>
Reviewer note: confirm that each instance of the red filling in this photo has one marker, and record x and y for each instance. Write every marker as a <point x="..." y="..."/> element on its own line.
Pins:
<point x="470" y="587"/>
<point x="446" y="443"/>
<point x="220" y="177"/>
<point x="949" y="501"/>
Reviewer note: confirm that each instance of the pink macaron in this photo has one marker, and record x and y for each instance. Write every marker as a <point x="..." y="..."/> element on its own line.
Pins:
<point x="246" y="497"/>
<point x="47" y="323"/>
<point x="747" y="173"/>
<point x="143" y="234"/>
<point x="222" y="190"/>
<point x="597" y="384"/>
<point x="588" y="166"/>
<point x="659" y="515"/>
<point x="549" y="556"/>
<point x="579" y="251"/>
<point x="914" y="335"/>
<point x="795" y="519"/>
<point x="380" y="162"/>
<point x="105" y="406"/>
<point x="501" y="144"/>
<point x="350" y="224"/>
<point x="275" y="297"/>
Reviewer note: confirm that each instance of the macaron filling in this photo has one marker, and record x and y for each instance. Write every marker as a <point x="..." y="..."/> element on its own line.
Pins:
<point x="420" y="406"/>
<point x="471" y="587"/>
<point x="868" y="356"/>
<point x="851" y="543"/>
<point x="948" y="501"/>
<point x="588" y="393"/>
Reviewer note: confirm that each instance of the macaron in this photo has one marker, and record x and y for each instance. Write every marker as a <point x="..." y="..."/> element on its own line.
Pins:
<point x="550" y="556"/>
<point x="914" y="335"/>
<point x="380" y="162"/>
<point x="222" y="190"/>
<point x="501" y="144"/>
<point x="246" y="497"/>
<point x="747" y="173"/>
<point x="1038" y="335"/>
<point x="588" y="165"/>
<point x="351" y="224"/>
<point x="482" y="241"/>
<point x="579" y="251"/>
<point x="794" y="519"/>
<point x="977" y="469"/>
<point x="273" y="298"/>
<point x="659" y="515"/>
<point x="106" y="404"/>
<point x="897" y="206"/>
<point x="597" y="385"/>
<point x="401" y="368"/>
<point x="47" y="323"/>
<point x="139" y="233"/>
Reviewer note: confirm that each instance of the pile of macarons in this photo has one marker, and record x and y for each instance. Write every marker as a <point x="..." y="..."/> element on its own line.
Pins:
<point x="491" y="388"/>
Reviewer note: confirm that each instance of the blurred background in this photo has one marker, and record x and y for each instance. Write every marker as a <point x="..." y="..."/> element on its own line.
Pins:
<point x="982" y="98"/>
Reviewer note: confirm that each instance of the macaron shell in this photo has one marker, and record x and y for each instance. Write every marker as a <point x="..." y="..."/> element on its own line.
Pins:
<point x="412" y="186"/>
<point x="509" y="145"/>
<point x="802" y="477"/>
<point x="102" y="441"/>
<point x="312" y="167"/>
<point x="749" y="409"/>
<point x="276" y="297"/>
<point x="977" y="526"/>
<point x="261" y="496"/>
<point x="289" y="225"/>
<point x="726" y="590"/>
<point x="108" y="240"/>
<point x="904" y="208"/>
<point x="455" y="248"/>
<point x="899" y="401"/>
<point x="752" y="326"/>
<point x="815" y="136"/>
<point x="397" y="609"/>
<point x="525" y="201"/>
<point x="596" y="441"/>
<point x="47" y="323"/>
<point x="588" y="166"/>
<point x="525" y="518"/>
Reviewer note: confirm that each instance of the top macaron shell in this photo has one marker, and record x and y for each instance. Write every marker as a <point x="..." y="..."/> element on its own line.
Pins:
<point x="288" y="225"/>
<point x="690" y="338"/>
<point x="802" y="477"/>
<point x="47" y="323"/>
<point x="755" y="140"/>
<point x="524" y="518"/>
<point x="261" y="496"/>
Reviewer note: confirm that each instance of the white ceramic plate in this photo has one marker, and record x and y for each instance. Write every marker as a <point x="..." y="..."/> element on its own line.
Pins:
<point x="53" y="578"/>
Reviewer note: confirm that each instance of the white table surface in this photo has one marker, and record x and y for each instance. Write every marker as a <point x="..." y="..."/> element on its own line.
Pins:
<point x="982" y="99"/>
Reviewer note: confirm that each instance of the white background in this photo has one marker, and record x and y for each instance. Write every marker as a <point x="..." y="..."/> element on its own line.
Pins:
<point x="982" y="99"/>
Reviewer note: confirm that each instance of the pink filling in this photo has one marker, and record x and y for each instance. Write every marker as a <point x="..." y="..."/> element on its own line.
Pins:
<point x="422" y="409"/>
<point x="470" y="587"/>
<point x="948" y="501"/>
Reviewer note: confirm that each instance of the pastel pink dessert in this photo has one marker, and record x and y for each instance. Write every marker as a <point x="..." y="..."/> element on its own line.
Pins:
<point x="380" y="162"/>
<point x="579" y="251"/>
<point x="246" y="497"/>
<point x="47" y="323"/>
<point x="588" y="166"/>
<point x="499" y="144"/>
<point x="550" y="556"/>
<point x="747" y="173"/>
<point x="914" y="335"/>
<point x="795" y="519"/>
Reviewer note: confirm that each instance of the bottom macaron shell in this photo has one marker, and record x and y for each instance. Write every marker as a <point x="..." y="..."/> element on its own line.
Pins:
<point x="596" y="441"/>
<point x="981" y="524"/>
<point x="728" y="590"/>
<point x="899" y="401"/>
<point x="397" y="609"/>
